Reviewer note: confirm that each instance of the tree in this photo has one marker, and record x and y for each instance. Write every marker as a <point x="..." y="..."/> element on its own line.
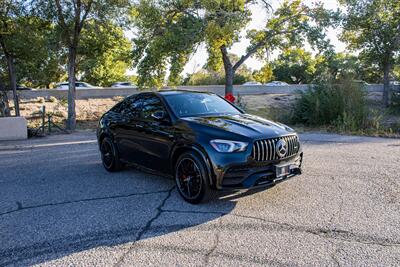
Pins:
<point x="294" y="65"/>
<point x="265" y="74"/>
<point x="105" y="54"/>
<point x="71" y="17"/>
<point x="337" y="66"/>
<point x="169" y="31"/>
<point x="10" y="12"/>
<point x="372" y="27"/>
<point x="208" y="75"/>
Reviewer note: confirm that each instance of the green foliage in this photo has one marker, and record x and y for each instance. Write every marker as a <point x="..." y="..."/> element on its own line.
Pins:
<point x="340" y="105"/>
<point x="29" y="40"/>
<point x="207" y="77"/>
<point x="294" y="65"/>
<point x="104" y="54"/>
<point x="371" y="27"/>
<point x="395" y="104"/>
<point x="166" y="35"/>
<point x="339" y="66"/>
<point x="169" y="32"/>
<point x="264" y="75"/>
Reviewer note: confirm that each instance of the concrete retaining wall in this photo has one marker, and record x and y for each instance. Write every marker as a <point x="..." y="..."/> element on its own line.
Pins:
<point x="218" y="89"/>
<point x="13" y="128"/>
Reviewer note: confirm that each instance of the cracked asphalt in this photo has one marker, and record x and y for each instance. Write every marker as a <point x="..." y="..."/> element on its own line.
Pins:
<point x="59" y="207"/>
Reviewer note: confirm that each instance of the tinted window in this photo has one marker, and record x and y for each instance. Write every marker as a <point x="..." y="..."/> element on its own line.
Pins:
<point x="197" y="104"/>
<point x="151" y="104"/>
<point x="131" y="106"/>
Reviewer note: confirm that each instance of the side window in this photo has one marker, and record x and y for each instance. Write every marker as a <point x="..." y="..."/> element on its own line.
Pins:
<point x="151" y="104"/>
<point x="131" y="106"/>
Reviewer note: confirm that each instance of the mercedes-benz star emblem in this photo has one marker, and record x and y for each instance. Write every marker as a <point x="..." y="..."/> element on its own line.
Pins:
<point x="281" y="148"/>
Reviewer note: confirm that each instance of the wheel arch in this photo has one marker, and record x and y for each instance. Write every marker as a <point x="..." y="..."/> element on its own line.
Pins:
<point x="103" y="135"/>
<point x="180" y="149"/>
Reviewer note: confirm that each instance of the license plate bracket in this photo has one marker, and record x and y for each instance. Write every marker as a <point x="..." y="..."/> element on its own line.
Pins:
<point x="282" y="170"/>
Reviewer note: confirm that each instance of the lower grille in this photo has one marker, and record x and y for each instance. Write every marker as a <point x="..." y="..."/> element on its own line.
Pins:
<point x="265" y="150"/>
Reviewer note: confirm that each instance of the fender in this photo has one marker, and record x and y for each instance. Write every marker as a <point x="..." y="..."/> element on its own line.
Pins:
<point x="201" y="153"/>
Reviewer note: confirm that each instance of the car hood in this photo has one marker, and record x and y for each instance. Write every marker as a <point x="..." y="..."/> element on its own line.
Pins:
<point x="243" y="124"/>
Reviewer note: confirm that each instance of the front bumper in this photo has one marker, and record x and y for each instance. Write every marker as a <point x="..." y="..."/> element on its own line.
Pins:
<point x="251" y="174"/>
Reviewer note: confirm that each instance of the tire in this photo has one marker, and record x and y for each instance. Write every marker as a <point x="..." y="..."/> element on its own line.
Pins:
<point x="191" y="178"/>
<point x="109" y="155"/>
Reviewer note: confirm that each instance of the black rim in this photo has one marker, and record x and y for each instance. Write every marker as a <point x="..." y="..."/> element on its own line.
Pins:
<point x="107" y="153"/>
<point x="188" y="178"/>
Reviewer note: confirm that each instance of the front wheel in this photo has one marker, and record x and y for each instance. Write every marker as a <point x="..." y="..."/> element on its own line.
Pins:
<point x="191" y="179"/>
<point x="109" y="155"/>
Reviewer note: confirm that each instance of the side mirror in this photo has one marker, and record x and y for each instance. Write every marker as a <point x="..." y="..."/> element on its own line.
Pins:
<point x="158" y="115"/>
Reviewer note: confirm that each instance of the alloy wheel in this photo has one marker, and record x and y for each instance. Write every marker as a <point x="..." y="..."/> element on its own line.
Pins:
<point x="107" y="153"/>
<point x="188" y="178"/>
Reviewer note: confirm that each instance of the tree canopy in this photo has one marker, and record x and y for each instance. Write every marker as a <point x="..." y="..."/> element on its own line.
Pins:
<point x="372" y="28"/>
<point x="169" y="31"/>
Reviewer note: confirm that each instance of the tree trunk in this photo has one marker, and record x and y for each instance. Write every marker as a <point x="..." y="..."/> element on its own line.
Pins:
<point x="4" y="107"/>
<point x="386" y="84"/>
<point x="71" y="121"/>
<point x="13" y="82"/>
<point x="229" y="74"/>
<point x="229" y="71"/>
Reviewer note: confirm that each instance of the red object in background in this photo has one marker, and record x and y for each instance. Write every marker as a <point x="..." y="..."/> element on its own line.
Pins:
<point x="230" y="98"/>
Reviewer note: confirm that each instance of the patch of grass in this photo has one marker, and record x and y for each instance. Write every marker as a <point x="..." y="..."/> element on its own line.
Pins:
<point x="63" y="102"/>
<point x="52" y="99"/>
<point x="272" y="113"/>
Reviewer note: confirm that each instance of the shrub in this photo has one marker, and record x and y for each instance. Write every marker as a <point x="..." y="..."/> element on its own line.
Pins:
<point x="341" y="105"/>
<point x="395" y="103"/>
<point x="240" y="102"/>
<point x="53" y="99"/>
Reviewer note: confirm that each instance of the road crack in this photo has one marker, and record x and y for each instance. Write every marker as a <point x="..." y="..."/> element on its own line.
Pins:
<point x="216" y="242"/>
<point x="146" y="227"/>
<point x="328" y="233"/>
<point x="20" y="207"/>
<point x="341" y="203"/>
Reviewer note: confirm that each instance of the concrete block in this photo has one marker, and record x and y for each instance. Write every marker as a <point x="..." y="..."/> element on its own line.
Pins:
<point x="13" y="128"/>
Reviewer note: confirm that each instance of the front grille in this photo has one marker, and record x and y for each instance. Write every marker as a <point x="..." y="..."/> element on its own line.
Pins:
<point x="265" y="150"/>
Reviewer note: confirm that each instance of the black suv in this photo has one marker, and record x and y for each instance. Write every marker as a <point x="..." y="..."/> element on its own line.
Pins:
<point x="204" y="141"/>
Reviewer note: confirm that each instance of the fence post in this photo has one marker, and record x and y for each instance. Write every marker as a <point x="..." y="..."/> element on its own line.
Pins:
<point x="43" y="118"/>
<point x="49" y="122"/>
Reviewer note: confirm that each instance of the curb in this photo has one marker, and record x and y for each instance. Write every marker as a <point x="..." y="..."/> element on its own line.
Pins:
<point x="29" y="147"/>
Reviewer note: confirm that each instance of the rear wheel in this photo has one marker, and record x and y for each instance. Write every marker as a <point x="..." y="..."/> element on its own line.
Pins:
<point x="192" y="180"/>
<point x="109" y="155"/>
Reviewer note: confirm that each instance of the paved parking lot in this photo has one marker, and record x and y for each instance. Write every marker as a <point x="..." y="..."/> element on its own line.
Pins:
<point x="58" y="206"/>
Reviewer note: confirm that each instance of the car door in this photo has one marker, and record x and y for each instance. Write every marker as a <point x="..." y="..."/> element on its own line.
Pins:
<point x="126" y="129"/>
<point x="156" y="134"/>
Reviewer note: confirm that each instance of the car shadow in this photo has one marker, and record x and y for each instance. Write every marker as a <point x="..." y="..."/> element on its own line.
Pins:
<point x="98" y="209"/>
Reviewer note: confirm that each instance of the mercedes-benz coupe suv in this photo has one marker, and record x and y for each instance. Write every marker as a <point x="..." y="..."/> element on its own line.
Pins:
<point x="205" y="142"/>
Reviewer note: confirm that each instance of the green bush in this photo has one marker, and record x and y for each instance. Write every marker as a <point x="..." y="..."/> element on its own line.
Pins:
<point x="395" y="103"/>
<point x="341" y="105"/>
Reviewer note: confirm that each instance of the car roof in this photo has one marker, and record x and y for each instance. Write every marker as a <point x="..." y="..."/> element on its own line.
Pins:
<point x="178" y="92"/>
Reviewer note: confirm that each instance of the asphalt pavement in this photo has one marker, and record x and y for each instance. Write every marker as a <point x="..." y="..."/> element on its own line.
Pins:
<point x="59" y="207"/>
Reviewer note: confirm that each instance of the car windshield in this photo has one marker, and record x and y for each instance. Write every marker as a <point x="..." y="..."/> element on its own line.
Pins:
<point x="198" y="104"/>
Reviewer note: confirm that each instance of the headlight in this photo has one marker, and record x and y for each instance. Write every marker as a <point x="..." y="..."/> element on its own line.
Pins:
<point x="227" y="146"/>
